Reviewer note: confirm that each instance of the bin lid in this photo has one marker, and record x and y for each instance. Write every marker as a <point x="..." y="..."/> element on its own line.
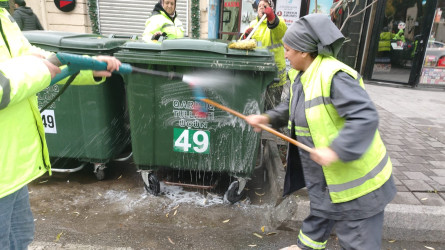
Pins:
<point x="195" y="52"/>
<point x="70" y="40"/>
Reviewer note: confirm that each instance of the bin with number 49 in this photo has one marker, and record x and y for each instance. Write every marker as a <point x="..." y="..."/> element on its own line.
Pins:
<point x="191" y="141"/>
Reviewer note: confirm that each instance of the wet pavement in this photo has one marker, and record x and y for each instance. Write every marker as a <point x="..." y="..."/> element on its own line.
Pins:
<point x="75" y="211"/>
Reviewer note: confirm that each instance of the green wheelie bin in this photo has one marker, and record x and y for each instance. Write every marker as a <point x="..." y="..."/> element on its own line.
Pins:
<point x="86" y="124"/>
<point x="165" y="131"/>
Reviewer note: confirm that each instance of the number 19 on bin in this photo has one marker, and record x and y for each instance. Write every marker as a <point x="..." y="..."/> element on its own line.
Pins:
<point x="191" y="141"/>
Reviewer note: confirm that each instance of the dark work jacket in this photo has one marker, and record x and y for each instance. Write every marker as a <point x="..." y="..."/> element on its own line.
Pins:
<point x="26" y="19"/>
<point x="361" y="121"/>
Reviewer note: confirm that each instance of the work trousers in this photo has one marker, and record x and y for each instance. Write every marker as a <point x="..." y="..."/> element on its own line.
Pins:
<point x="16" y="221"/>
<point x="364" y="234"/>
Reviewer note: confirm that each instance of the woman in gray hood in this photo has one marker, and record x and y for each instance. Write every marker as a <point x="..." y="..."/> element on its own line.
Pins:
<point x="25" y="17"/>
<point x="348" y="173"/>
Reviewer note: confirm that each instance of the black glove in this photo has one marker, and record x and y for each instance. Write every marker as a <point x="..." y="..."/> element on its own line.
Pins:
<point x="158" y="35"/>
<point x="247" y="33"/>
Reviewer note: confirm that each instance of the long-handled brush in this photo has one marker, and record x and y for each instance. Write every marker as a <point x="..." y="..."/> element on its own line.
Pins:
<point x="264" y="127"/>
<point x="247" y="44"/>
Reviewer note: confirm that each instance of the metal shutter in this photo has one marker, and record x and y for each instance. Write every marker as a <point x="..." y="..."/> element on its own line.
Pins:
<point x="127" y="17"/>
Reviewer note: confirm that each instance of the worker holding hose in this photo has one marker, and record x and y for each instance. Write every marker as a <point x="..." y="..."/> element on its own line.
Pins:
<point x="24" y="71"/>
<point x="270" y="34"/>
<point x="348" y="173"/>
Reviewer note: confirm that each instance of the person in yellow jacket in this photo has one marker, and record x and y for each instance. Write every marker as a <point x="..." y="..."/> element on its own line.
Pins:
<point x="163" y="22"/>
<point x="24" y="71"/>
<point x="348" y="173"/>
<point x="385" y="43"/>
<point x="270" y="34"/>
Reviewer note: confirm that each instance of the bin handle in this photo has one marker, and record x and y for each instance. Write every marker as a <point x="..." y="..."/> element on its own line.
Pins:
<point x="131" y="37"/>
<point x="262" y="126"/>
<point x="275" y="80"/>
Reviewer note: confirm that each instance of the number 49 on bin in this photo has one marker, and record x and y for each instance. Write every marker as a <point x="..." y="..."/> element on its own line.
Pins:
<point x="191" y="141"/>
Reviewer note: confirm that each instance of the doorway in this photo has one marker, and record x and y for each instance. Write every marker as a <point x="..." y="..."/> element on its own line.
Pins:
<point x="400" y="36"/>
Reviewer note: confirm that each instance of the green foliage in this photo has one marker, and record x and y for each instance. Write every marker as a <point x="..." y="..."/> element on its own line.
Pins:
<point x="92" y="11"/>
<point x="195" y="19"/>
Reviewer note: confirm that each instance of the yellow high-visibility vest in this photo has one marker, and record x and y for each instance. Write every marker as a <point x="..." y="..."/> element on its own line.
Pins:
<point x="345" y="180"/>
<point x="23" y="151"/>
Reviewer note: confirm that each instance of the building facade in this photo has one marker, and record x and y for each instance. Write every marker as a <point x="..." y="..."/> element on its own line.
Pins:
<point x="400" y="41"/>
<point x="405" y="43"/>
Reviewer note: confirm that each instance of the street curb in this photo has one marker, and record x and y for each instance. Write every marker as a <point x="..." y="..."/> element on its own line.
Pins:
<point x="414" y="223"/>
<point x="402" y="222"/>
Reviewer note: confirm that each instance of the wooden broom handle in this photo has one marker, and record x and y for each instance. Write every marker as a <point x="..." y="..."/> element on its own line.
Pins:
<point x="262" y="126"/>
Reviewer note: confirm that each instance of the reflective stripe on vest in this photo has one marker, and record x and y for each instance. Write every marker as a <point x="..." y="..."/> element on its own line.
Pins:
<point x="317" y="101"/>
<point x="311" y="243"/>
<point x="173" y="29"/>
<point x="357" y="182"/>
<point x="346" y="180"/>
<point x="302" y="131"/>
<point x="167" y="25"/>
<point x="299" y="131"/>
<point x="5" y="85"/>
<point x="163" y="23"/>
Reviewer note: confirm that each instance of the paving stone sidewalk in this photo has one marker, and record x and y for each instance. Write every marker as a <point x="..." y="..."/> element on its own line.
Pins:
<point x="411" y="125"/>
<point x="418" y="160"/>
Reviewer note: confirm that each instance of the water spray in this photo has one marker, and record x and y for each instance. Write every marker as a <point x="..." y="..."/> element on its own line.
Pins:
<point x="75" y="63"/>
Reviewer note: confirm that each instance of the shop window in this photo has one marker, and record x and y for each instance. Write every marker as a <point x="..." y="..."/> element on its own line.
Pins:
<point x="401" y="41"/>
<point x="230" y="21"/>
<point x="433" y="71"/>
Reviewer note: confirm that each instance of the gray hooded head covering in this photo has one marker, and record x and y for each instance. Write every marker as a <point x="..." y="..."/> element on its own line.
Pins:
<point x="314" y="33"/>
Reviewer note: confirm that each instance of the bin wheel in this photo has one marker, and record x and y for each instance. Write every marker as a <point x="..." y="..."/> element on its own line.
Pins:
<point x="99" y="171"/>
<point x="153" y="186"/>
<point x="232" y="193"/>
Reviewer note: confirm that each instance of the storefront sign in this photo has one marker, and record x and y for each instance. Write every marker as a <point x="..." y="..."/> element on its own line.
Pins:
<point x="231" y="4"/>
<point x="289" y="10"/>
<point x="65" y="5"/>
